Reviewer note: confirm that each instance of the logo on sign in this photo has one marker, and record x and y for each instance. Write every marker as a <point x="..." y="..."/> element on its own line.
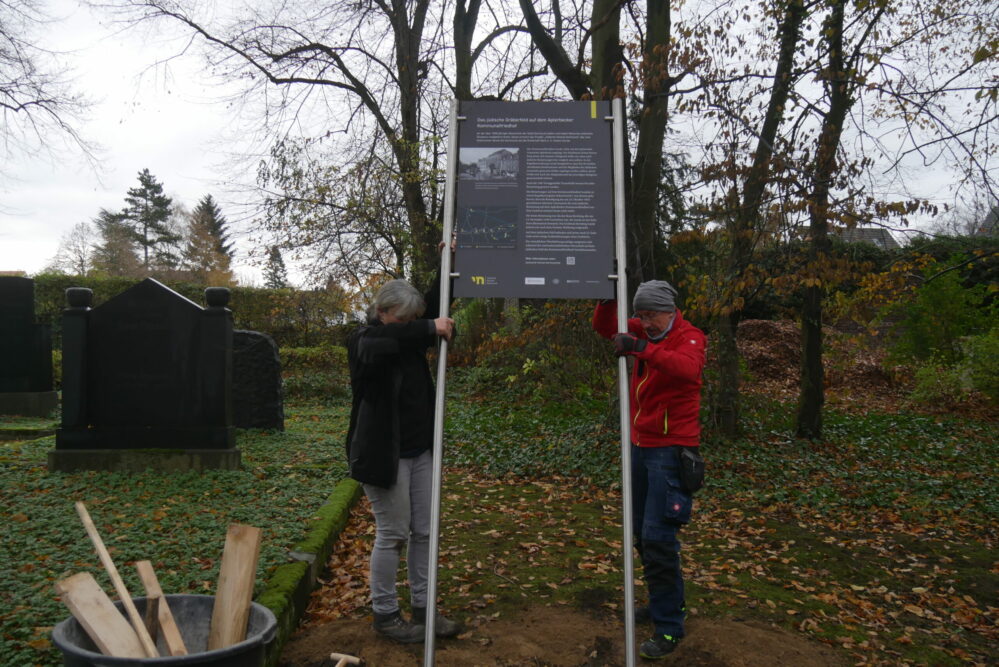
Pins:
<point x="479" y="280"/>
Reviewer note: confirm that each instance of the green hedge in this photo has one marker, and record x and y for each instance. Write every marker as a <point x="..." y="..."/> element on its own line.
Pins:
<point x="318" y="373"/>
<point x="294" y="318"/>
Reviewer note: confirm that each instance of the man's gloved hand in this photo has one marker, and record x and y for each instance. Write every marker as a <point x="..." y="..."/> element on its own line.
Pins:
<point x="626" y="343"/>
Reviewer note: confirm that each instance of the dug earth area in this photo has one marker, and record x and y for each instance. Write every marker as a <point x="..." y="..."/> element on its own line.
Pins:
<point x="556" y="635"/>
<point x="585" y="630"/>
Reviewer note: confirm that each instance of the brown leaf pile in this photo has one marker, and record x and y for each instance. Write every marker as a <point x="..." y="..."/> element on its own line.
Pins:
<point x="855" y="371"/>
<point x="858" y="376"/>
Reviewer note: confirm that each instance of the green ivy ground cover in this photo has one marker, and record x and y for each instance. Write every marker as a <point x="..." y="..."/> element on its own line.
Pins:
<point x="878" y="538"/>
<point x="178" y="521"/>
<point x="888" y="523"/>
<point x="931" y="465"/>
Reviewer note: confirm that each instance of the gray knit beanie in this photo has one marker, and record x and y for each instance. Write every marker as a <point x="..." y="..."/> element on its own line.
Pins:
<point x="657" y="295"/>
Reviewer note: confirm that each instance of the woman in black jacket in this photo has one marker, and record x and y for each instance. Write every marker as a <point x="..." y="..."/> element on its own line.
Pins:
<point x="389" y="446"/>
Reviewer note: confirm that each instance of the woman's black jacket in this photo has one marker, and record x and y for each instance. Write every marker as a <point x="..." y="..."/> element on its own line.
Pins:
<point x="375" y="353"/>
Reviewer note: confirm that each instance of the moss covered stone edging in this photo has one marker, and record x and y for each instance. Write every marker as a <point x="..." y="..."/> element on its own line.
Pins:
<point x="287" y="591"/>
<point x="17" y="434"/>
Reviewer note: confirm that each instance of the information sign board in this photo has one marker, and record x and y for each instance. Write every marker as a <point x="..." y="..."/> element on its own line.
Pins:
<point x="534" y="200"/>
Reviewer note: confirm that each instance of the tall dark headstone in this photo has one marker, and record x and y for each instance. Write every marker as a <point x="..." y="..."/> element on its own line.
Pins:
<point x="147" y="370"/>
<point x="257" y="395"/>
<point x="25" y="352"/>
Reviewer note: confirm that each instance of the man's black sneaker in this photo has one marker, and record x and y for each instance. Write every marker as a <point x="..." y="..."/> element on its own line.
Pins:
<point x="393" y="626"/>
<point x="443" y="626"/>
<point x="658" y="647"/>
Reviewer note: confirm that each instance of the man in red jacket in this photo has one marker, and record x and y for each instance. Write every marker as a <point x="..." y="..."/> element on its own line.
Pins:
<point x="665" y="423"/>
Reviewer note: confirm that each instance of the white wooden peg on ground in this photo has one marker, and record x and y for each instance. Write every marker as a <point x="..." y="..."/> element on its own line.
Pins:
<point x="343" y="659"/>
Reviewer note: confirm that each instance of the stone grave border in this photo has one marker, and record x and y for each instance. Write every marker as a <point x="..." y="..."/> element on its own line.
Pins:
<point x="287" y="591"/>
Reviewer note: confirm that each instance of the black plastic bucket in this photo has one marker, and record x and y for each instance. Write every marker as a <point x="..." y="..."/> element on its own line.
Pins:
<point x="193" y="614"/>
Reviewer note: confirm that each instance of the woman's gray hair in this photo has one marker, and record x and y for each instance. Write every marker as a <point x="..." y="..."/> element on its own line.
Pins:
<point x="401" y="296"/>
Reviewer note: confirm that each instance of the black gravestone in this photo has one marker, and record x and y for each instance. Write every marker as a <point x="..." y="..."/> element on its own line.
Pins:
<point x="151" y="370"/>
<point x="25" y="352"/>
<point x="257" y="396"/>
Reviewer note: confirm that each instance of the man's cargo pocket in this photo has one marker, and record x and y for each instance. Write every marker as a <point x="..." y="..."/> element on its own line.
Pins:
<point x="678" y="503"/>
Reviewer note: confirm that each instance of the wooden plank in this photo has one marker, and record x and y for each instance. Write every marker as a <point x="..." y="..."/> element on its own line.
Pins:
<point x="94" y="610"/>
<point x="151" y="616"/>
<point x="168" y="626"/>
<point x="119" y="585"/>
<point x="235" y="588"/>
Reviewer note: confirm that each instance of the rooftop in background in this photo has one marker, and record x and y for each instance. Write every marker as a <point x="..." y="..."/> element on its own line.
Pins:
<point x="876" y="236"/>
<point x="990" y="224"/>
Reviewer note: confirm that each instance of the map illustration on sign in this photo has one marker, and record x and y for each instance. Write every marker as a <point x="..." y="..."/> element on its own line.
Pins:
<point x="534" y="202"/>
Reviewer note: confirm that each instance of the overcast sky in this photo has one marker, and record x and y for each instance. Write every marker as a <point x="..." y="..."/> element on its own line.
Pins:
<point x="166" y="118"/>
<point x="158" y="117"/>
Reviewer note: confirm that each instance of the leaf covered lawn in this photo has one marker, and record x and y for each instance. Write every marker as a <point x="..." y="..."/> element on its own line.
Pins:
<point x="177" y="520"/>
<point x="878" y="540"/>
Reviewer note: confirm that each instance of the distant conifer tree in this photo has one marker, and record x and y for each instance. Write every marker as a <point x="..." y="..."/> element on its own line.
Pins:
<point x="147" y="210"/>
<point x="275" y="273"/>
<point x="208" y="213"/>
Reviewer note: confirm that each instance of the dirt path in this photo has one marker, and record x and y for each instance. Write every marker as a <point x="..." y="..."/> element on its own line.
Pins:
<point x="560" y="635"/>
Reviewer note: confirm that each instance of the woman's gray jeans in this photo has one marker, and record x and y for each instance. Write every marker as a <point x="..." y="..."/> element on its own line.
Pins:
<point x="402" y="516"/>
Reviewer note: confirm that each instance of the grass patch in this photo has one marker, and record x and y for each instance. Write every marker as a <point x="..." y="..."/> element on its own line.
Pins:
<point x="506" y="545"/>
<point x="508" y="432"/>
<point x="14" y="427"/>
<point x="176" y="520"/>
<point x="19" y="422"/>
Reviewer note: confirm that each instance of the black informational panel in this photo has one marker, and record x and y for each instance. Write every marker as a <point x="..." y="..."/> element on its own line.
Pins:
<point x="534" y="200"/>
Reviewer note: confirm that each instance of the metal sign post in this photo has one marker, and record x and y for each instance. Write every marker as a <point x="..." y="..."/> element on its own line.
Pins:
<point x="445" y="311"/>
<point x="622" y="384"/>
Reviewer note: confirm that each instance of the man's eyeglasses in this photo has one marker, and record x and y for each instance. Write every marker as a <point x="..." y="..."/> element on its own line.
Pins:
<point x="651" y="315"/>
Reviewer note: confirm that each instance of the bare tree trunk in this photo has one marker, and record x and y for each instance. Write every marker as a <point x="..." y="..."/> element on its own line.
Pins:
<point x="466" y="15"/>
<point x="408" y="37"/>
<point x="812" y="390"/>
<point x="745" y="219"/>
<point x="511" y="314"/>
<point x="608" y="55"/>
<point x="647" y="169"/>
<point x="725" y="406"/>
<point x="606" y="77"/>
<point x="812" y="393"/>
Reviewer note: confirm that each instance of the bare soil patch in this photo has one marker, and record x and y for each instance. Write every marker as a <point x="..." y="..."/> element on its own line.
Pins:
<point x="854" y="373"/>
<point x="561" y="636"/>
<point x="584" y="632"/>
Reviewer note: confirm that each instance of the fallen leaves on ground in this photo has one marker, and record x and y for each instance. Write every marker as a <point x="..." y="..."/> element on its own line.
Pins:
<point x="875" y="597"/>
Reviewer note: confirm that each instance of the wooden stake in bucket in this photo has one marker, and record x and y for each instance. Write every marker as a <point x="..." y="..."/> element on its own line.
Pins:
<point x="119" y="586"/>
